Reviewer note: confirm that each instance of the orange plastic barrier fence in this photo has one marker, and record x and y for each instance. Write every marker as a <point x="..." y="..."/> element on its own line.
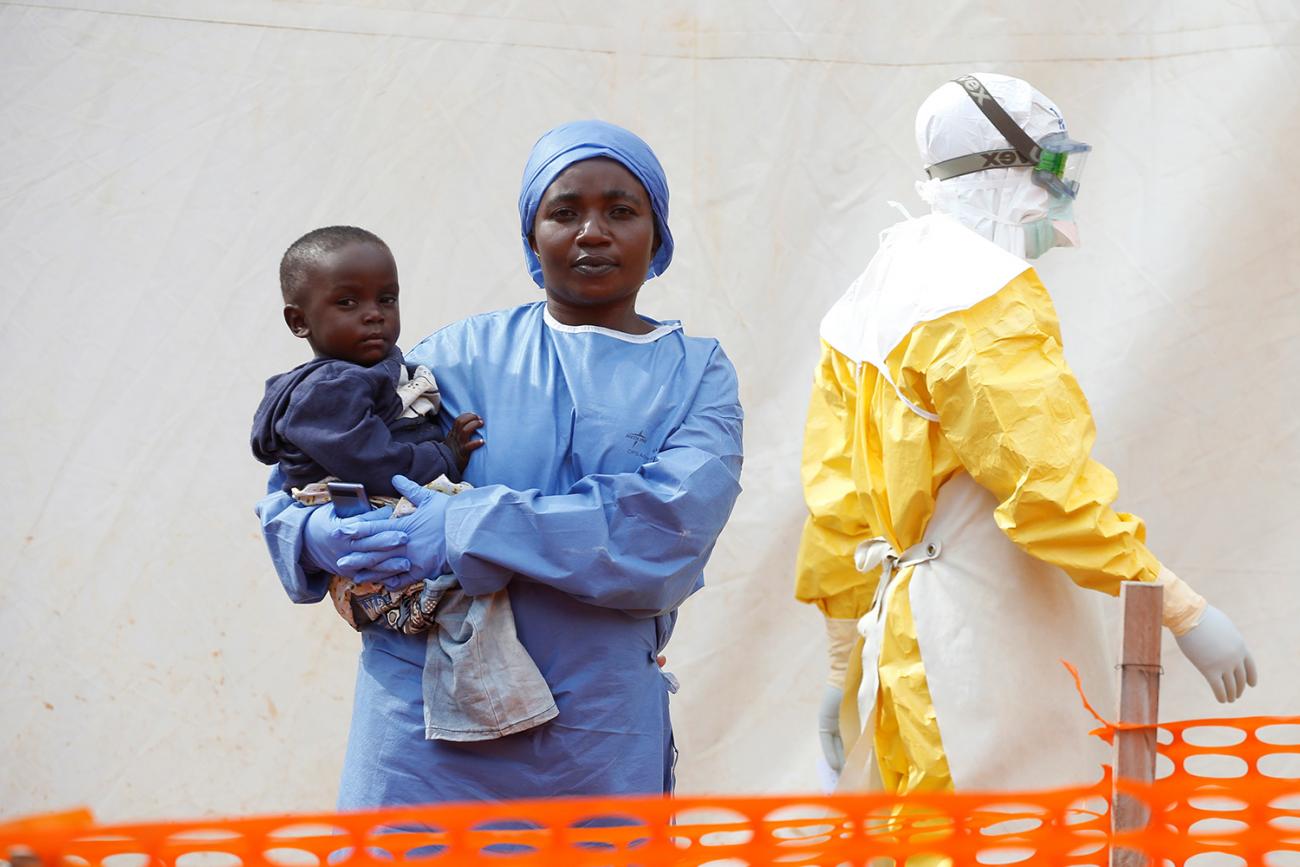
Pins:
<point x="1230" y="786"/>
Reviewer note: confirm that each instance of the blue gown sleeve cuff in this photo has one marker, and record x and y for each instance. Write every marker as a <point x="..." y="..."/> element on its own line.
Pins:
<point x="477" y="577"/>
<point x="282" y="525"/>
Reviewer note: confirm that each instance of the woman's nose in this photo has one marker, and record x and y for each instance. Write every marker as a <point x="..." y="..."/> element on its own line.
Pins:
<point x="593" y="231"/>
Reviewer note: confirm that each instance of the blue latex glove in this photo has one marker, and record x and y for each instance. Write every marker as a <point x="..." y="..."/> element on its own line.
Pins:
<point x="321" y="542"/>
<point x="400" y="551"/>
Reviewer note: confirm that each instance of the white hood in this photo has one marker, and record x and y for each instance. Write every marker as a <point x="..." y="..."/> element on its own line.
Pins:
<point x="997" y="202"/>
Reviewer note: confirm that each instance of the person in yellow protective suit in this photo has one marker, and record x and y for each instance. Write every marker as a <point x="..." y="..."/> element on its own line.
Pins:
<point x="950" y="487"/>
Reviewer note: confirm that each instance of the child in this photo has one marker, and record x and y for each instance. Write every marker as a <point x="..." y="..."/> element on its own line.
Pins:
<point x="357" y="413"/>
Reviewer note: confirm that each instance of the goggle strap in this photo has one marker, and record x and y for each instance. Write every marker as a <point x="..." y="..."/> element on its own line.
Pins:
<point x="971" y="163"/>
<point x="1011" y="131"/>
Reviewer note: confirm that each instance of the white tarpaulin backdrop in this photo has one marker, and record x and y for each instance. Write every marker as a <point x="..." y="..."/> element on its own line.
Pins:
<point x="156" y="158"/>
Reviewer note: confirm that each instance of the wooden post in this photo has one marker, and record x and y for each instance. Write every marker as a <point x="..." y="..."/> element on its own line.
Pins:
<point x="1139" y="701"/>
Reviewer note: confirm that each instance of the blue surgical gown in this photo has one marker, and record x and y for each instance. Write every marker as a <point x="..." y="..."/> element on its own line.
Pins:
<point x="611" y="464"/>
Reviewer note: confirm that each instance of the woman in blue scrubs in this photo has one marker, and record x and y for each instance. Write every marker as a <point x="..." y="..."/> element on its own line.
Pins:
<point x="611" y="464"/>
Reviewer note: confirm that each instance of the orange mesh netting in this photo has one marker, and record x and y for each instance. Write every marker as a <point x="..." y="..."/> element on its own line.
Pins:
<point x="1227" y="786"/>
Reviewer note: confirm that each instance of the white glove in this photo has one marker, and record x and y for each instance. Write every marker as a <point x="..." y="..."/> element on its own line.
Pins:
<point x="841" y="638"/>
<point x="828" y="727"/>
<point x="1219" y="652"/>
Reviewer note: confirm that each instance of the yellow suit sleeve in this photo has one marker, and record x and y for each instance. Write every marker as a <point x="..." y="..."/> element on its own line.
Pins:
<point x="1019" y="423"/>
<point x="825" y="572"/>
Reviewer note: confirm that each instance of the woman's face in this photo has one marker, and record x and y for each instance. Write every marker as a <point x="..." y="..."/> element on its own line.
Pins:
<point x="594" y="234"/>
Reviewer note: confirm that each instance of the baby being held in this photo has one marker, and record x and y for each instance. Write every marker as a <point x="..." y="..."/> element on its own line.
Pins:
<point x="356" y="412"/>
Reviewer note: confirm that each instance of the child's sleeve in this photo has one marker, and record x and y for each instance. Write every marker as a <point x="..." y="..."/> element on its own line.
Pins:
<point x="334" y="423"/>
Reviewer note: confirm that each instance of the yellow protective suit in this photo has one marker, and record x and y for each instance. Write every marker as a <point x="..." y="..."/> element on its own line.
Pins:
<point x="1011" y="415"/>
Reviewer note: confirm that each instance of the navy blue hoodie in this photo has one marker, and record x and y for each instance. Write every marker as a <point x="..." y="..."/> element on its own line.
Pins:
<point x="334" y="418"/>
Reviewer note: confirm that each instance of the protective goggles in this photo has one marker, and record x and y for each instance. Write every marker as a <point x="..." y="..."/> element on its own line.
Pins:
<point x="1056" y="159"/>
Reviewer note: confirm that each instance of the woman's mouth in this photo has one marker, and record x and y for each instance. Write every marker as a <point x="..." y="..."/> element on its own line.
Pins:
<point x="594" y="266"/>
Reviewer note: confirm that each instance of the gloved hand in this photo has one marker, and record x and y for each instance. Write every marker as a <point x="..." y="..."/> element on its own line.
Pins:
<point x="322" y="546"/>
<point x="841" y="638"/>
<point x="400" y="551"/>
<point x="828" y="727"/>
<point x="1219" y="652"/>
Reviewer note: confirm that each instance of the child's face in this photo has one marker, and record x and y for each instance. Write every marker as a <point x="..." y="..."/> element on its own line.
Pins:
<point x="347" y="305"/>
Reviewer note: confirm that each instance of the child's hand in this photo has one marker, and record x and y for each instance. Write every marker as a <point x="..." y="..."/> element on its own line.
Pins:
<point x="464" y="427"/>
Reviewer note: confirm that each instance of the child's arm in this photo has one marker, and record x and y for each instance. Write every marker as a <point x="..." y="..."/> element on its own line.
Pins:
<point x="334" y="423"/>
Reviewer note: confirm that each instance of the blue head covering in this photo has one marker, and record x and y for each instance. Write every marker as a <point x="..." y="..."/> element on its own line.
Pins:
<point x="581" y="140"/>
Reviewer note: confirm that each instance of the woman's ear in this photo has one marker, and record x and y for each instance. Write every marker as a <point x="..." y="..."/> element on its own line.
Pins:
<point x="532" y="244"/>
<point x="658" y="240"/>
<point x="296" y="321"/>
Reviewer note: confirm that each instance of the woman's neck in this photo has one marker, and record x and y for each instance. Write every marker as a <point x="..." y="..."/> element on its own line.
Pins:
<point x="621" y="316"/>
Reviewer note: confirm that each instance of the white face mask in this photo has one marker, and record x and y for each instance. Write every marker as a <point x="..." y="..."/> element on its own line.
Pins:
<point x="1014" y="213"/>
<point x="1057" y="229"/>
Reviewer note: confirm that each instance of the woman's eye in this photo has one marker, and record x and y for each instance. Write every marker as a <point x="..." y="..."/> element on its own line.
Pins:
<point x="563" y="214"/>
<point x="622" y="211"/>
